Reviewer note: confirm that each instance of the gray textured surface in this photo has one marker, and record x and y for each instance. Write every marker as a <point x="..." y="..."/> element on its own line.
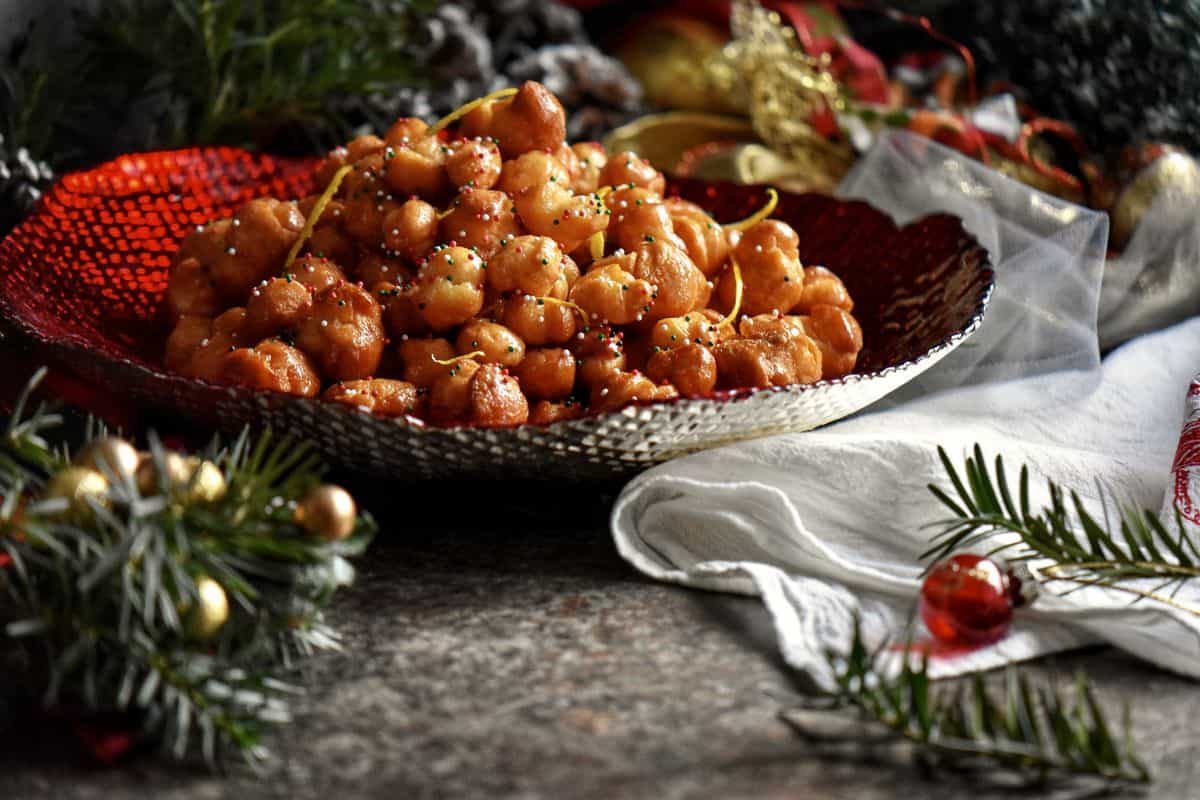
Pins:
<point x="504" y="650"/>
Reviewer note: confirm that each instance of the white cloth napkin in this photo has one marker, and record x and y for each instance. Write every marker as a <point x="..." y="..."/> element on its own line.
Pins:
<point x="829" y="525"/>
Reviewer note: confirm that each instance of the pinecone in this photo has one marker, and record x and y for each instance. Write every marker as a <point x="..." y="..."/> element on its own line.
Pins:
<point x="22" y="181"/>
<point x="1122" y="71"/>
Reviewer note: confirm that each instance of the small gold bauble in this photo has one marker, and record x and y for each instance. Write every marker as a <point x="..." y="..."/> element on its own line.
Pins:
<point x="206" y="481"/>
<point x="1171" y="183"/>
<point x="178" y="472"/>
<point x="211" y="610"/>
<point x="110" y="455"/>
<point x="327" y="512"/>
<point x="77" y="485"/>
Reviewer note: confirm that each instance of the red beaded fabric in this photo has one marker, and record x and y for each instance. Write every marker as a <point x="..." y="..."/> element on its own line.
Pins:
<point x="84" y="276"/>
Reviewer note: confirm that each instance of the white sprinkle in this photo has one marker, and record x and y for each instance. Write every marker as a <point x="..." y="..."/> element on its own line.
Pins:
<point x="758" y="248"/>
<point x="462" y="233"/>
<point x="486" y="217"/>
<point x="395" y="231"/>
<point x="203" y="342"/>
<point x="604" y="392"/>
<point x="324" y="323"/>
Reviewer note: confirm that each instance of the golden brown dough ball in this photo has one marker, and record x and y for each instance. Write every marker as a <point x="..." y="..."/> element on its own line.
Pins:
<point x="547" y="373"/>
<point x="590" y="159"/>
<point x="545" y="412"/>
<point x="541" y="191"/>
<point x="619" y="389"/>
<point x="367" y="200"/>
<point x="353" y="151"/>
<point x="609" y="293"/>
<point x="191" y="290"/>
<point x="705" y="326"/>
<point x="703" y="238"/>
<point x="496" y="399"/>
<point x="772" y="276"/>
<point x="315" y="272"/>
<point x="538" y="322"/>
<point x="329" y="239"/>
<point x="271" y="365"/>
<point x="839" y="337"/>
<point x="411" y="230"/>
<point x="449" y="287"/>
<point x="401" y="316"/>
<point x="639" y="216"/>
<point x="778" y="361"/>
<point x="628" y="168"/>
<point x="420" y="357"/>
<point x="529" y="264"/>
<point x="184" y="340"/>
<point x="533" y="119"/>
<point x="388" y="398"/>
<point x="822" y="287"/>
<point x="480" y="219"/>
<point x="374" y="268"/>
<point x="275" y="305"/>
<point x="205" y="242"/>
<point x="450" y="395"/>
<point x="691" y="369"/>
<point x="678" y="286"/>
<point x="599" y="353"/>
<point x="258" y="240"/>
<point x="473" y="163"/>
<point x="224" y="336"/>
<point x="344" y="333"/>
<point x="498" y="344"/>
<point x="407" y="132"/>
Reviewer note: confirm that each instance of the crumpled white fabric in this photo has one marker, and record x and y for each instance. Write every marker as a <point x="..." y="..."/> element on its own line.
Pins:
<point x="828" y="525"/>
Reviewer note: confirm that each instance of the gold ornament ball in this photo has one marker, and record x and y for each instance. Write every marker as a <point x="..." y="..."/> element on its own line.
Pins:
<point x="1171" y="183"/>
<point x="211" y="611"/>
<point x="206" y="481"/>
<point x="327" y="512"/>
<point x="77" y="484"/>
<point x="110" y="453"/>
<point x="176" y="467"/>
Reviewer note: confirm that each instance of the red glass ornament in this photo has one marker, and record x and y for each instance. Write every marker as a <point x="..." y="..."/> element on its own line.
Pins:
<point x="968" y="600"/>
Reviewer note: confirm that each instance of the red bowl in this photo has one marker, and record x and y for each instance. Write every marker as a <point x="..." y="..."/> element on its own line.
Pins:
<point x="84" y="277"/>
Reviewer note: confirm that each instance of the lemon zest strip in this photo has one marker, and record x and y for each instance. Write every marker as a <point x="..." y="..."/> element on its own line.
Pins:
<point x="566" y="303"/>
<point x="757" y="216"/>
<point x="318" y="207"/>
<point x="456" y="359"/>
<point x="737" y="293"/>
<point x="463" y="110"/>
<point x="596" y="244"/>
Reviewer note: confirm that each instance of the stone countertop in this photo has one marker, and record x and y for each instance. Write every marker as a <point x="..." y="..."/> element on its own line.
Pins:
<point x="497" y="646"/>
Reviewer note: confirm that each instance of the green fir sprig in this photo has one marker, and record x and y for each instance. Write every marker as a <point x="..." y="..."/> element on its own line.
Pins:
<point x="97" y="609"/>
<point x="1033" y="731"/>
<point x="1080" y="547"/>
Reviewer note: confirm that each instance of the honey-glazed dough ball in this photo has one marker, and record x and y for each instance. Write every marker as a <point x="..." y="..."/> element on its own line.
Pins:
<point x="537" y="321"/>
<point x="401" y="316"/>
<point x="704" y="239"/>
<point x="191" y="290"/>
<point x="258" y="240"/>
<point x="547" y="373"/>
<point x="205" y="242"/>
<point x="619" y="389"/>
<point x="705" y="326"/>
<point x="609" y="293"/>
<point x="772" y="276"/>
<point x="822" y="288"/>
<point x="420" y="357"/>
<point x="533" y="119"/>
<point x="545" y="412"/>
<point x="388" y="398"/>
<point x="839" y="337"/>
<point x="224" y="336"/>
<point x="679" y="287"/>
<point x="590" y="159"/>
<point x="541" y="191"/>
<point x="449" y="287"/>
<point x="599" y="353"/>
<point x="329" y="239"/>
<point x="639" y="216"/>
<point x="778" y="361"/>
<point x="271" y="365"/>
<point x="480" y="219"/>
<point x="184" y="341"/>
<point x="344" y="333"/>
<point x="367" y="200"/>
<point x="529" y="264"/>
<point x="414" y="162"/>
<point x="450" y="394"/>
<point x="627" y="168"/>
<point x="498" y="344"/>
<point x="496" y="399"/>
<point x="473" y="163"/>
<point x="691" y="369"/>
<point x="411" y="230"/>
<point x="315" y="272"/>
<point x="374" y="268"/>
<point x="275" y="305"/>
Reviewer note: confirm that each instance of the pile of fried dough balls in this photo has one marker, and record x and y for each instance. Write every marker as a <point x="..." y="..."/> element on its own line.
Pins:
<point x="497" y="276"/>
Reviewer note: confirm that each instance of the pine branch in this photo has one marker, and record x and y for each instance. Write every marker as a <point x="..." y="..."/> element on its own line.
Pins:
<point x="1083" y="548"/>
<point x="1033" y="730"/>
